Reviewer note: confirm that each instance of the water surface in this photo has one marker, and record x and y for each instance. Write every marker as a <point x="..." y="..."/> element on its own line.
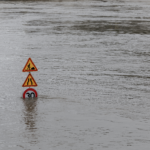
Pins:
<point x="93" y="75"/>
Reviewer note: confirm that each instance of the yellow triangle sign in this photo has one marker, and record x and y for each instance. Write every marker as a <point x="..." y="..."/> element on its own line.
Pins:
<point x="29" y="82"/>
<point x="30" y="66"/>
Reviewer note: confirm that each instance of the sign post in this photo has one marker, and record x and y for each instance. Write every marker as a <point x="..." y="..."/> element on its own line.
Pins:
<point x="29" y="82"/>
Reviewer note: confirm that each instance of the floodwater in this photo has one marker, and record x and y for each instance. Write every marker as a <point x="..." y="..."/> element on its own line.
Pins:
<point x="93" y="60"/>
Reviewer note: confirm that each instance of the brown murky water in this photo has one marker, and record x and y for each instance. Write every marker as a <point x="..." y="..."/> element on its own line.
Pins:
<point x="93" y="80"/>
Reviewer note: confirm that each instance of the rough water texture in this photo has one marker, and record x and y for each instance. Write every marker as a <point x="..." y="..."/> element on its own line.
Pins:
<point x="93" y="60"/>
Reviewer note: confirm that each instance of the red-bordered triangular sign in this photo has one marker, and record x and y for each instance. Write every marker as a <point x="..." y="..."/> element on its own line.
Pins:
<point x="30" y="66"/>
<point x="29" y="82"/>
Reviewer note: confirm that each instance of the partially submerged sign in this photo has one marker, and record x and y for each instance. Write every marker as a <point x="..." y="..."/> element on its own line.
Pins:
<point x="30" y="66"/>
<point x="30" y="93"/>
<point x="29" y="82"/>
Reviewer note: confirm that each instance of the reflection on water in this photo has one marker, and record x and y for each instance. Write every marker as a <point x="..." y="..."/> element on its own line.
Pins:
<point x="30" y="114"/>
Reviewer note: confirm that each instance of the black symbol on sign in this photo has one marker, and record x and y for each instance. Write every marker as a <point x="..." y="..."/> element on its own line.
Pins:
<point x="30" y="95"/>
<point x="29" y="80"/>
<point x="32" y="68"/>
<point x="29" y="68"/>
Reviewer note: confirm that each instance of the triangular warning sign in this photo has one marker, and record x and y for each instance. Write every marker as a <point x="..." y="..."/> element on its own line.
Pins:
<point x="30" y="66"/>
<point x="29" y="82"/>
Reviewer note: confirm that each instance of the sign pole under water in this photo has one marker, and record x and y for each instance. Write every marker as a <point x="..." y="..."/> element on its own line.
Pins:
<point x="29" y="82"/>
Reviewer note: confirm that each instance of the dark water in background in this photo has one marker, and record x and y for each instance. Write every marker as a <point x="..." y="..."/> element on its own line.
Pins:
<point x="93" y="78"/>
